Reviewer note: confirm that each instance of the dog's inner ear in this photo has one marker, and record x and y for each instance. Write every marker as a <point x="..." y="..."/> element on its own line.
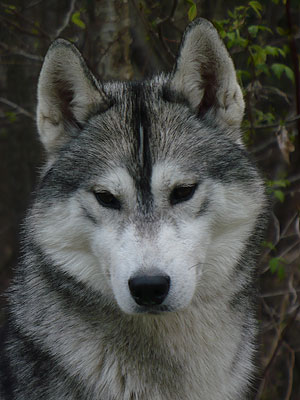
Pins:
<point x="205" y="76"/>
<point x="67" y="95"/>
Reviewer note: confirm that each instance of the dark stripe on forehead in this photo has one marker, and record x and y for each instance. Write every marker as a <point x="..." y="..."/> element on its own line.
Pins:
<point x="142" y="132"/>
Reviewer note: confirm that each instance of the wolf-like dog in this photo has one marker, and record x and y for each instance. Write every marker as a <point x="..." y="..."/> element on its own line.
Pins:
<point x="137" y="277"/>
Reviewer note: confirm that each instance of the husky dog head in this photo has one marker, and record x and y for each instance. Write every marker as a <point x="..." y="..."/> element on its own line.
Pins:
<point x="147" y="198"/>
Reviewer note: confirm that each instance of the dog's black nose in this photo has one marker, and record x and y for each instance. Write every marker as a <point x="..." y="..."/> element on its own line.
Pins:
<point x="149" y="290"/>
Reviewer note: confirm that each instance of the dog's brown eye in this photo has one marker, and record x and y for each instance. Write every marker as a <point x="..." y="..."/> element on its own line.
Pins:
<point x="108" y="200"/>
<point x="182" y="193"/>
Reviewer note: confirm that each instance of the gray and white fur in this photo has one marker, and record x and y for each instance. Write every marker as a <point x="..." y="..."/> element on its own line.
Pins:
<point x="137" y="279"/>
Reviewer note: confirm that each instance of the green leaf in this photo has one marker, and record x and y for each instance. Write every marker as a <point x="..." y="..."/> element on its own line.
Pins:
<point x="271" y="50"/>
<point x="286" y="49"/>
<point x="281" y="31"/>
<point x="12" y="116"/>
<point x="262" y="117"/>
<point x="192" y="13"/>
<point x="278" y="69"/>
<point x="281" y="52"/>
<point x="222" y="34"/>
<point x="219" y="25"/>
<point x="3" y="133"/>
<point x="289" y="73"/>
<point x="281" y="272"/>
<point x="256" y="6"/>
<point x="240" y="73"/>
<point x="236" y="40"/>
<point x="154" y="23"/>
<point x="265" y="29"/>
<point x="241" y="42"/>
<point x="253" y="30"/>
<point x="279" y="183"/>
<point x="279" y="195"/>
<point x="10" y="8"/>
<point x="77" y="21"/>
<point x="259" y="55"/>
<point x="274" y="264"/>
<point x="262" y="69"/>
<point x="274" y="51"/>
<point x="269" y="245"/>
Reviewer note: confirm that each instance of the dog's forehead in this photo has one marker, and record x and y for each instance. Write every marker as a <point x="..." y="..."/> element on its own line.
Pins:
<point x="143" y="128"/>
<point x="143" y="124"/>
<point x="140" y="131"/>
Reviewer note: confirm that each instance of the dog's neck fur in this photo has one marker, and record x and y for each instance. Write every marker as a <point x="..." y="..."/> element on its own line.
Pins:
<point x="123" y="352"/>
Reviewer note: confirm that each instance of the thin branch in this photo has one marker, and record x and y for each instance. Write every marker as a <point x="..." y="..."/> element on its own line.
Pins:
<point x="287" y="122"/>
<point x="286" y="250"/>
<point x="30" y="22"/>
<point x="295" y="60"/>
<point x="160" y="30"/>
<point x="278" y="293"/>
<point x="18" y="28"/>
<point x="294" y="178"/>
<point x="33" y="4"/>
<point x="280" y="341"/>
<point x="166" y="47"/>
<point x="21" y="110"/>
<point x="263" y="146"/>
<point x="19" y="52"/>
<point x="65" y="21"/>
<point x="290" y="371"/>
<point x="290" y="221"/>
<point x="172" y="12"/>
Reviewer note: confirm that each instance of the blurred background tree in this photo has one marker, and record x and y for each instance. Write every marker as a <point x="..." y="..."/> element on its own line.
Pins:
<point x="126" y="39"/>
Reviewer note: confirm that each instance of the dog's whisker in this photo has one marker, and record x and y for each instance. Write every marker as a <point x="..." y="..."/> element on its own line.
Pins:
<point x="199" y="264"/>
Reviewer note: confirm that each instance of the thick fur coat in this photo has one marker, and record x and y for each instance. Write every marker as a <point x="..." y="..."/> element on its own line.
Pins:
<point x="137" y="280"/>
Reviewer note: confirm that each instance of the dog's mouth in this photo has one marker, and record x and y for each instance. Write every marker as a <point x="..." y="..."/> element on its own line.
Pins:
<point x="153" y="310"/>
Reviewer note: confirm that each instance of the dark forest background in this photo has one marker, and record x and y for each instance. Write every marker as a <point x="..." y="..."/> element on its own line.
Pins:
<point x="132" y="39"/>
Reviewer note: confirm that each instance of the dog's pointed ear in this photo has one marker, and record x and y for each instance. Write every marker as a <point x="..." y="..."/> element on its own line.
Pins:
<point x="205" y="76"/>
<point x="67" y="94"/>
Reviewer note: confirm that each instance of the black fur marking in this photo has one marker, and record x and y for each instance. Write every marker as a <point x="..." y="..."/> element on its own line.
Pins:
<point x="247" y="326"/>
<point x="141" y="127"/>
<point x="7" y="377"/>
<point x="75" y="294"/>
<point x="171" y="96"/>
<point x="100" y="108"/>
<point x="88" y="215"/>
<point x="248" y="258"/>
<point x="240" y="300"/>
<point x="231" y="165"/>
<point x="57" y="184"/>
<point x="204" y="207"/>
<point x="40" y="365"/>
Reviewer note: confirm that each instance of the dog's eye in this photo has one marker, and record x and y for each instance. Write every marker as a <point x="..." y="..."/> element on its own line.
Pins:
<point x="182" y="193"/>
<point x="108" y="200"/>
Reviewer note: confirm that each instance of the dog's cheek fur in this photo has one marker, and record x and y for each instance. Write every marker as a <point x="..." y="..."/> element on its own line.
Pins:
<point x="65" y="235"/>
<point x="236" y="212"/>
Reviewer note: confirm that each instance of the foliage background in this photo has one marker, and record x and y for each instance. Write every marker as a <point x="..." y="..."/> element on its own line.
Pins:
<point x="125" y="39"/>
